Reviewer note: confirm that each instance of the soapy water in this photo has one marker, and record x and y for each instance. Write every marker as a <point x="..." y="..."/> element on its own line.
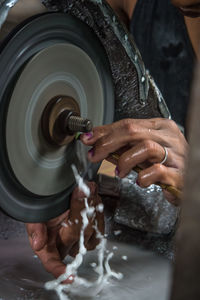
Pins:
<point x="81" y="286"/>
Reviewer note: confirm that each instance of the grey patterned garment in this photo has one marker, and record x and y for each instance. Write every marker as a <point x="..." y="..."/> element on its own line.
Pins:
<point x="56" y="5"/>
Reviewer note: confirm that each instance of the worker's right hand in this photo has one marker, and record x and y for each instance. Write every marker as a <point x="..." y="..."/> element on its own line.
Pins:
<point x="53" y="240"/>
<point x="142" y="143"/>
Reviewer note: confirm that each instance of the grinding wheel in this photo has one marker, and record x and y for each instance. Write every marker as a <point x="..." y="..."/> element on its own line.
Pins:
<point x="47" y="56"/>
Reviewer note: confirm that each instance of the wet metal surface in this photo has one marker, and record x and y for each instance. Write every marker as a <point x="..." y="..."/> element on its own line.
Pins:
<point x="141" y="209"/>
<point x="22" y="277"/>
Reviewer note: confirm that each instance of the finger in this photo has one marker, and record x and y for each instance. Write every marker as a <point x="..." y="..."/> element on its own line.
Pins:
<point x="171" y="198"/>
<point x="37" y="234"/>
<point x="94" y="239"/>
<point x="146" y="151"/>
<point x="52" y="262"/>
<point x="74" y="250"/>
<point x="91" y="137"/>
<point x="56" y="222"/>
<point x="88" y="232"/>
<point x="160" y="174"/>
<point x="168" y="134"/>
<point x="71" y="234"/>
<point x="64" y="248"/>
<point x="101" y="223"/>
<point x="129" y="132"/>
<point x="150" y="127"/>
<point x="70" y="237"/>
<point x="87" y="235"/>
<point x="73" y="243"/>
<point x="92" y="242"/>
<point x="123" y="126"/>
<point x="99" y="226"/>
<point x="78" y="202"/>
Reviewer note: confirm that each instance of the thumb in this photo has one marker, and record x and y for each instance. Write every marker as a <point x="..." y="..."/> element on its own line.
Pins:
<point x="37" y="234"/>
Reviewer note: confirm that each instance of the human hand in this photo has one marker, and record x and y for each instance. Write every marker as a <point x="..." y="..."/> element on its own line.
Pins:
<point x="141" y="143"/>
<point x="53" y="240"/>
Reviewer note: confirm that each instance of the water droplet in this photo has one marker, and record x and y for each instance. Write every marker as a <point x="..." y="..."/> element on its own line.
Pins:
<point x="100" y="207"/>
<point x="124" y="257"/>
<point x="93" y="265"/>
<point x="64" y="224"/>
<point x="117" y="232"/>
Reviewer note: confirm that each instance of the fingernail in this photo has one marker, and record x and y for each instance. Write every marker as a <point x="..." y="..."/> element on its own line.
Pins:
<point x="33" y="236"/>
<point x="87" y="136"/>
<point x="117" y="171"/>
<point x="91" y="152"/>
<point x="34" y="242"/>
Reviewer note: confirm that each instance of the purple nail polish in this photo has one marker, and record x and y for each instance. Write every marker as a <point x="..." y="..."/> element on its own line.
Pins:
<point x="91" y="152"/>
<point x="88" y="135"/>
<point x="117" y="171"/>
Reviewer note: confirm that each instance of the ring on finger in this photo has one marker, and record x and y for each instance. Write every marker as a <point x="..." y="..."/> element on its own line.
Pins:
<point x="166" y="156"/>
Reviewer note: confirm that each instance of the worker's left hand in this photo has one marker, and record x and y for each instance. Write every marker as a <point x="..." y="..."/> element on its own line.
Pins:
<point x="53" y="240"/>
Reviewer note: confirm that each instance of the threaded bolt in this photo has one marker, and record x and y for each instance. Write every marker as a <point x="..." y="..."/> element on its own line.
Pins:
<point x="75" y="124"/>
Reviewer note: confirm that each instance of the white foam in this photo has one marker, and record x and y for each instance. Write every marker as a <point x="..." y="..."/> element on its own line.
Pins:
<point x="64" y="224"/>
<point x="79" y="180"/>
<point x="93" y="265"/>
<point x="117" y="232"/>
<point x="124" y="257"/>
<point x="100" y="207"/>
<point x="82" y="286"/>
<point x="70" y="223"/>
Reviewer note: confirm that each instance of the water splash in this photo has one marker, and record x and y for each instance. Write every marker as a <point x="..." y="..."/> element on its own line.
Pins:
<point x="82" y="286"/>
